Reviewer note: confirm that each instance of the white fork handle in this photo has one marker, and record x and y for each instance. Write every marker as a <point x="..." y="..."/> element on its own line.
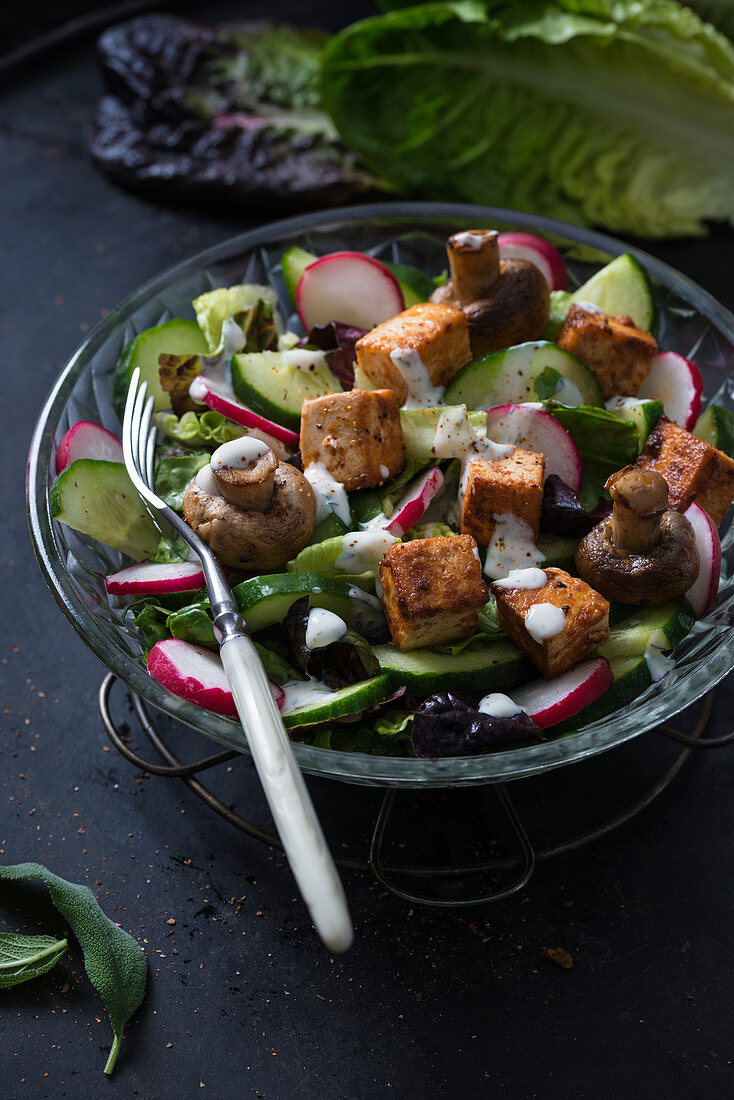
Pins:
<point x="290" y="803"/>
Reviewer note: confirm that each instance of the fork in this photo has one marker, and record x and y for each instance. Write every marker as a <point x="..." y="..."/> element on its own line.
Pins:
<point x="290" y="803"/>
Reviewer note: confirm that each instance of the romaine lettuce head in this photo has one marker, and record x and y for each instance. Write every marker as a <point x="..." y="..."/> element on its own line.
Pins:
<point x="612" y="112"/>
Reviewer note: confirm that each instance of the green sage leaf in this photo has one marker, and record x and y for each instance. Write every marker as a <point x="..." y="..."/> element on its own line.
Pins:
<point x="26" y="957"/>
<point x="113" y="960"/>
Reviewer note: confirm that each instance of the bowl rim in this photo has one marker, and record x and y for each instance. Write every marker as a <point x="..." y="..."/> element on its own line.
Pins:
<point x="357" y="768"/>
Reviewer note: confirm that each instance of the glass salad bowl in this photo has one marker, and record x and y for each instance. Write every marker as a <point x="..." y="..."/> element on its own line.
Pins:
<point x="691" y="322"/>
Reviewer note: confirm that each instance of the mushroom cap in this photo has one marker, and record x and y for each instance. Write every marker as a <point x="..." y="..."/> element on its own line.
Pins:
<point x="248" y="487"/>
<point x="643" y="491"/>
<point x="516" y="310"/>
<point x="252" y="539"/>
<point x="667" y="570"/>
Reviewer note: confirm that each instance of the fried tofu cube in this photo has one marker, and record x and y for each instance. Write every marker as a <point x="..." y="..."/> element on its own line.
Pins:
<point x="432" y="590"/>
<point x="495" y="487"/>
<point x="617" y="352"/>
<point x="357" y="435"/>
<point x="692" y="468"/>
<point x="557" y="625"/>
<point x="422" y="348"/>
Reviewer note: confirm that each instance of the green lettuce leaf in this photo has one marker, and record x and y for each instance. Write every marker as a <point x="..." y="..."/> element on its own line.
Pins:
<point x="611" y="112"/>
<point x="208" y="429"/>
<point x="216" y="306"/>
<point x="173" y="474"/>
<point x="606" y="444"/>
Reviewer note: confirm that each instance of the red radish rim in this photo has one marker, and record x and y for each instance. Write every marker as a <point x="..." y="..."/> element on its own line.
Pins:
<point x="552" y="265"/>
<point x="122" y="583"/>
<point x="701" y="521"/>
<point x="564" y="440"/>
<point x="694" y="380"/>
<point x="344" y="254"/>
<point x="227" y="406"/>
<point x="548" y="716"/>
<point x="64" y="451"/>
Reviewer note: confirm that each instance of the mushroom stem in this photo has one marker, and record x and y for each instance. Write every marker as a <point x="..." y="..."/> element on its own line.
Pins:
<point x="639" y="499"/>
<point x="474" y="260"/>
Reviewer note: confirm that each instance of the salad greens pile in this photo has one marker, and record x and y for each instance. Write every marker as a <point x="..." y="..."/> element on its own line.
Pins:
<point x="618" y="113"/>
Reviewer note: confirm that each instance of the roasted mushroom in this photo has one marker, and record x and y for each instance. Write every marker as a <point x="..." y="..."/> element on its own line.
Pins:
<point x="644" y="552"/>
<point x="255" y="515"/>
<point x="505" y="301"/>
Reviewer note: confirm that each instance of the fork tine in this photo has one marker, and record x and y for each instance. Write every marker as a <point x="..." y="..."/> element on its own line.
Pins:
<point x="144" y="433"/>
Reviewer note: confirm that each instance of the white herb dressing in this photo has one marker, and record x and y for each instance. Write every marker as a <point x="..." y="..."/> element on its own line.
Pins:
<point x="528" y="579"/>
<point x="363" y="550"/>
<point x="331" y="496"/>
<point x="421" y="391"/>
<point x="384" y="472"/>
<point x="620" y="402"/>
<point x="205" y="480"/>
<point x="303" y="359"/>
<point x="512" y="546"/>
<point x="323" y="628"/>
<point x="658" y="664"/>
<point x="544" y="621"/>
<point x="238" y="454"/>
<point x="300" y="693"/>
<point x="467" y="239"/>
<point x="456" y="437"/>
<point x="365" y="612"/>
<point x="499" y="705"/>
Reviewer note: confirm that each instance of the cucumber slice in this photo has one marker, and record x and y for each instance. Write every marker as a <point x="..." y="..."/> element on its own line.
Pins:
<point x="338" y="704"/>
<point x="328" y="528"/>
<point x="293" y="263"/>
<point x="716" y="427"/>
<point x="276" y="383"/>
<point x="631" y="677"/>
<point x="622" y="287"/>
<point x="479" y="667"/>
<point x="176" y="337"/>
<point x="643" y="414"/>
<point x="99" y="499"/>
<point x="419" y="430"/>
<point x="510" y="376"/>
<point x="264" y="601"/>
<point x="630" y="637"/>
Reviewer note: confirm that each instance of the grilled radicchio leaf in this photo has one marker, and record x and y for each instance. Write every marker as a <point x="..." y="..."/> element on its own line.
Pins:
<point x="338" y="342"/>
<point x="446" y="725"/>
<point x="346" y="661"/>
<point x="225" y="115"/>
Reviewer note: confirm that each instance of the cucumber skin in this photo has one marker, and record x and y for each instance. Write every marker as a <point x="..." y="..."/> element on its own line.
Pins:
<point x="453" y="394"/>
<point x="293" y="263"/>
<point x="449" y="677"/>
<point x="651" y="320"/>
<point x="125" y="364"/>
<point x="716" y="426"/>
<point x="146" y="537"/>
<point x="248" y="395"/>
<point x="356" y="698"/>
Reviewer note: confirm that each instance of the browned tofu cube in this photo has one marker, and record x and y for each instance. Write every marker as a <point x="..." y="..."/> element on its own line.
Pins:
<point x="613" y="348"/>
<point x="692" y="468"/>
<point x="420" y="349"/>
<point x="432" y="590"/>
<point x="576" y="621"/>
<point x="495" y="487"/>
<point x="357" y="435"/>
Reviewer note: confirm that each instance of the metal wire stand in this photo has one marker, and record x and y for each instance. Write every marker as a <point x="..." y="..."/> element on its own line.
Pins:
<point x="444" y="881"/>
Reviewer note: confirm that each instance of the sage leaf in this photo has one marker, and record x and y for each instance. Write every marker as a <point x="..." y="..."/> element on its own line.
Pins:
<point x="26" y="957"/>
<point x="113" y="960"/>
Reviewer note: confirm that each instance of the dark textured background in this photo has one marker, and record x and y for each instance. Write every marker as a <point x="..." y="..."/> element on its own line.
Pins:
<point x="242" y="1000"/>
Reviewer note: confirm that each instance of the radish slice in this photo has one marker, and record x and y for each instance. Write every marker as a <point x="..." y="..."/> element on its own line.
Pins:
<point x="702" y="592"/>
<point x="348" y="287"/>
<point x="88" y="440"/>
<point x="196" y="674"/>
<point x="151" y="577"/>
<point x="549" y="702"/>
<point x="215" y="396"/>
<point x="414" y="504"/>
<point x="677" y="382"/>
<point x="536" y="430"/>
<point x="547" y="259"/>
